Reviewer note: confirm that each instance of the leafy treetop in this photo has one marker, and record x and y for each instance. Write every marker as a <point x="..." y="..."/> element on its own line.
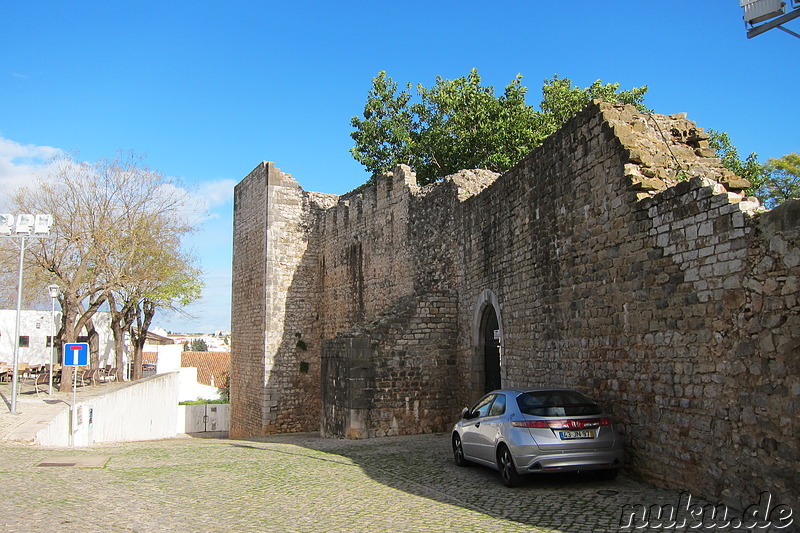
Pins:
<point x="772" y="182"/>
<point x="460" y="123"/>
<point x="783" y="181"/>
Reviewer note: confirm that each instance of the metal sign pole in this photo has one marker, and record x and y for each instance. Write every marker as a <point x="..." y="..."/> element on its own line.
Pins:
<point x="52" y="341"/>
<point x="15" y="378"/>
<point x="75" y="355"/>
<point x="21" y="227"/>
<point x="72" y="407"/>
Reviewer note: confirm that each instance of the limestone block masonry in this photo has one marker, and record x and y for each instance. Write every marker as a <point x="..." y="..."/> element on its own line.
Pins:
<point x="619" y="258"/>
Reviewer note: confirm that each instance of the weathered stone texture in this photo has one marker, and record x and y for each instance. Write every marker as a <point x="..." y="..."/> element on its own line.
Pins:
<point x="620" y="258"/>
<point x="394" y="376"/>
<point x="275" y="346"/>
<point x="364" y="253"/>
<point x="249" y="289"/>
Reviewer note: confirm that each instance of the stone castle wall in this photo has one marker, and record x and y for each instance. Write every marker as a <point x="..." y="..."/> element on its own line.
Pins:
<point x="275" y="329"/>
<point x="249" y="318"/>
<point x="396" y="376"/>
<point x="619" y="259"/>
<point x="365" y="253"/>
<point x="644" y="285"/>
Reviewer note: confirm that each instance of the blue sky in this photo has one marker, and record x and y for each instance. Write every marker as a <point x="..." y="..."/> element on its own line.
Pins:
<point x="206" y="90"/>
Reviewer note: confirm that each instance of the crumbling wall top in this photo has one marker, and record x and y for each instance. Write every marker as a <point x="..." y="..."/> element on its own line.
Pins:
<point x="469" y="183"/>
<point x="664" y="150"/>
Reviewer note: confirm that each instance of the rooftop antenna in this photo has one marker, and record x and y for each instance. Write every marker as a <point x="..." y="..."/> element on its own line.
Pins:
<point x="763" y="15"/>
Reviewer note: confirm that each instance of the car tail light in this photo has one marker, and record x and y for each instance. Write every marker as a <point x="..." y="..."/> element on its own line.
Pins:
<point x="563" y="424"/>
<point x="540" y="424"/>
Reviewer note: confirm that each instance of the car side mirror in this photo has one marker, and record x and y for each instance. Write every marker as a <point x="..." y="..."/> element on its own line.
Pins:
<point x="465" y="414"/>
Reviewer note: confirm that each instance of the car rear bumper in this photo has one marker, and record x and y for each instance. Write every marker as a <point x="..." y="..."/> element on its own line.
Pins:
<point x="570" y="462"/>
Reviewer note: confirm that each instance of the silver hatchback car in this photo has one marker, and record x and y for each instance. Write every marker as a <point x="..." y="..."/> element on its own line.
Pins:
<point x="538" y="430"/>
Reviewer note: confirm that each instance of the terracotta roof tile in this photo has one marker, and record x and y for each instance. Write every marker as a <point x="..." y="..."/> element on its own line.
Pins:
<point x="208" y="364"/>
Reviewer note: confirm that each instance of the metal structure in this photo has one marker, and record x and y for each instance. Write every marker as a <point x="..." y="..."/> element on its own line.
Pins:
<point x="53" y="290"/>
<point x="763" y="15"/>
<point x="22" y="227"/>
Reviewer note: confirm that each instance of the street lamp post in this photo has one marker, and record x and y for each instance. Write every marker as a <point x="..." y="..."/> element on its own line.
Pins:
<point x="54" y="290"/>
<point x="22" y="227"/>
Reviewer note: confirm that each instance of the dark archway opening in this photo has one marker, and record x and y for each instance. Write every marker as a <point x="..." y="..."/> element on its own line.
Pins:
<point x="491" y="350"/>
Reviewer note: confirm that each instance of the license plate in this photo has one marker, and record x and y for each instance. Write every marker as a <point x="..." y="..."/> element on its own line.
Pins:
<point x="578" y="434"/>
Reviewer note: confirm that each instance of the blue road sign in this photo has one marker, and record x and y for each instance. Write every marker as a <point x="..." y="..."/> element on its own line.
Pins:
<point x="76" y="354"/>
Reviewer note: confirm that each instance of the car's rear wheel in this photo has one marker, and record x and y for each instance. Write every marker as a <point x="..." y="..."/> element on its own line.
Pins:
<point x="458" y="451"/>
<point x="505" y="464"/>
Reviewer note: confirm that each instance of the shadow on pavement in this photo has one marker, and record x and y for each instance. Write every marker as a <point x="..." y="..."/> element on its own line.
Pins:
<point x="422" y="465"/>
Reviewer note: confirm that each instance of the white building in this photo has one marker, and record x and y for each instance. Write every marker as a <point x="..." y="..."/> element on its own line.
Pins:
<point x="37" y="328"/>
<point x="215" y="342"/>
<point x="35" y="337"/>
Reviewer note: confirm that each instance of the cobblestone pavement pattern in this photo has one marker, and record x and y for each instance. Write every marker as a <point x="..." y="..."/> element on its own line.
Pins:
<point x="296" y="483"/>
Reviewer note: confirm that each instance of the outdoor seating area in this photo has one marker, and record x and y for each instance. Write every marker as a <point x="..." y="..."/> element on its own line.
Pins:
<point x="36" y="378"/>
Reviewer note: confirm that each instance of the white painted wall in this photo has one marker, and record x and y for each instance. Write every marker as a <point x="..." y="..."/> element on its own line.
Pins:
<point x="37" y="325"/>
<point x="142" y="410"/>
<point x="191" y="390"/>
<point x="169" y="357"/>
<point x="205" y="417"/>
<point x="169" y="360"/>
<point x="56" y="431"/>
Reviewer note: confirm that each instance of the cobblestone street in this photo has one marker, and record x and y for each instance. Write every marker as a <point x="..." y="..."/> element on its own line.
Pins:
<point x="295" y="483"/>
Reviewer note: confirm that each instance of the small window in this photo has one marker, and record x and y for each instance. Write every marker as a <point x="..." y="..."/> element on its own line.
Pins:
<point x="24" y="341"/>
<point x="83" y="338"/>
<point x="499" y="406"/>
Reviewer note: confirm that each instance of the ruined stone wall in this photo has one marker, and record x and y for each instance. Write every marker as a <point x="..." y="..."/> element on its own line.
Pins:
<point x="365" y="253"/>
<point x="389" y="313"/>
<point x="627" y="270"/>
<point x="275" y="348"/>
<point x="621" y="259"/>
<point x="396" y="375"/>
<point x="415" y="368"/>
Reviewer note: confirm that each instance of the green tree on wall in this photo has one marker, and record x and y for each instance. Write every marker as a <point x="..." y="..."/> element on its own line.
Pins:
<point x="772" y="182"/>
<point x="560" y="100"/>
<point x="783" y="179"/>
<point x="383" y="137"/>
<point x="460" y="123"/>
<point x="748" y="168"/>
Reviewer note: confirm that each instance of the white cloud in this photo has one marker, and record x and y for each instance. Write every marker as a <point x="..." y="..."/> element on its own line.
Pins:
<point x="218" y="192"/>
<point x="20" y="163"/>
<point x="205" y="196"/>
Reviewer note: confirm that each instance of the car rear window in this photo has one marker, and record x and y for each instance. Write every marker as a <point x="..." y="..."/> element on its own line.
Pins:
<point x="556" y="403"/>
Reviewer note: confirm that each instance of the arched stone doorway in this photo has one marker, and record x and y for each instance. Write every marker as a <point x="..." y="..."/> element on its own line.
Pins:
<point x="491" y="350"/>
<point x="487" y="342"/>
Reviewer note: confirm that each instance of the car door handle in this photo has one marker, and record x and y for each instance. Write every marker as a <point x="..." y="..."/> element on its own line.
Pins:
<point x="477" y="424"/>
